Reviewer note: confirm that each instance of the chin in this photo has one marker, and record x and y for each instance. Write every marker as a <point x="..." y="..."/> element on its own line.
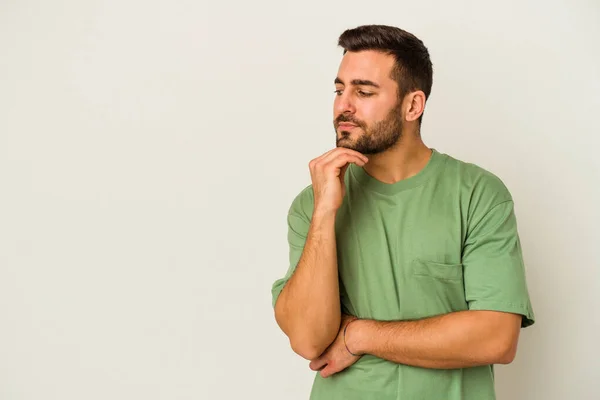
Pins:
<point x="346" y="143"/>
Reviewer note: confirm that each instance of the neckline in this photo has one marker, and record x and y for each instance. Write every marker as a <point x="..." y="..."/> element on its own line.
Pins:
<point x="368" y="182"/>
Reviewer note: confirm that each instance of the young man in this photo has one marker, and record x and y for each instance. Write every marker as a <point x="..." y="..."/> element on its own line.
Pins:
<point x="406" y="278"/>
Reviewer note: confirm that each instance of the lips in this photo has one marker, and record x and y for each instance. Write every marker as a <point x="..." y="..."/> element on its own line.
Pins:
<point x="346" y="126"/>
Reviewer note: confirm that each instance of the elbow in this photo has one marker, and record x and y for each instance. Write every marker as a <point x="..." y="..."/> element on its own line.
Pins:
<point x="308" y="341"/>
<point x="503" y="345"/>
<point x="507" y="356"/>
<point x="505" y="353"/>
<point x="311" y="346"/>
<point x="308" y="351"/>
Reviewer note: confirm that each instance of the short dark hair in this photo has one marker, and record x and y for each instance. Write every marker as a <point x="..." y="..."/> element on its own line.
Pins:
<point x="413" y="69"/>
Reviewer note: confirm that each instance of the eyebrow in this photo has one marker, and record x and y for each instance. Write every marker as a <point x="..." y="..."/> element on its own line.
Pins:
<point x="357" y="82"/>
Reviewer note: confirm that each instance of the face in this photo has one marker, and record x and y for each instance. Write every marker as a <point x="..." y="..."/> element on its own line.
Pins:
<point x="367" y="112"/>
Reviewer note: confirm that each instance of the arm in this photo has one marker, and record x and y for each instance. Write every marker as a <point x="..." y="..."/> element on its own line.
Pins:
<point x="308" y="308"/>
<point x="495" y="290"/>
<point x="455" y="340"/>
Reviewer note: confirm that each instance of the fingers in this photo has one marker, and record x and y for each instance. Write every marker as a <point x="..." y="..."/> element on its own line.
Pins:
<point x="326" y="174"/>
<point x="344" y="159"/>
<point x="338" y="157"/>
<point x="337" y="162"/>
<point x="324" y="155"/>
<point x="318" y="362"/>
<point x="328" y="371"/>
<point x="320" y="158"/>
<point x="342" y="150"/>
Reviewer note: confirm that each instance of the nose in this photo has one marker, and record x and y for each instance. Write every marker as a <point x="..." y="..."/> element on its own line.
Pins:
<point x="344" y="104"/>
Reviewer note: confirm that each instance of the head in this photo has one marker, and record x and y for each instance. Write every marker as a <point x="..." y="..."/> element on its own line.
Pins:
<point x="382" y="85"/>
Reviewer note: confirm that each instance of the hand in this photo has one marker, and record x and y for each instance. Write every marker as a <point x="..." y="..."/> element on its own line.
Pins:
<point x="336" y="357"/>
<point x="327" y="175"/>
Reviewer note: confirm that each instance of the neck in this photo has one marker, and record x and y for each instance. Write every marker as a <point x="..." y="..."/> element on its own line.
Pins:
<point x="405" y="159"/>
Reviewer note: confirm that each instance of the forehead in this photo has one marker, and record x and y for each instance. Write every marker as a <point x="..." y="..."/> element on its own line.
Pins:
<point x="367" y="64"/>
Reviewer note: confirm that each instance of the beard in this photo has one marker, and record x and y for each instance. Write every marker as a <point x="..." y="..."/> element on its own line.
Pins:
<point x="377" y="138"/>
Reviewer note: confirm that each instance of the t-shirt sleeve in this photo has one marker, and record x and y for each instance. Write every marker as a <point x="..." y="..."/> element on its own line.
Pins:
<point x="493" y="265"/>
<point x="298" y="222"/>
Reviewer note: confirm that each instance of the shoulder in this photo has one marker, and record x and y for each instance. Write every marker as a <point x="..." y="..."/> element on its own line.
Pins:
<point x="303" y="203"/>
<point x="482" y="188"/>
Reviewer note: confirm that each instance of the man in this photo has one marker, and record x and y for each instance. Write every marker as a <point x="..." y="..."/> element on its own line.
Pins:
<point x="406" y="278"/>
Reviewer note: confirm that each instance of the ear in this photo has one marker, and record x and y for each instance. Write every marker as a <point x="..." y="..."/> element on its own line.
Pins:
<point x="415" y="105"/>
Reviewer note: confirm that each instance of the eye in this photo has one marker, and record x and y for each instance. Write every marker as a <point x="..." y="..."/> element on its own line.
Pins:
<point x="338" y="92"/>
<point x="364" y="94"/>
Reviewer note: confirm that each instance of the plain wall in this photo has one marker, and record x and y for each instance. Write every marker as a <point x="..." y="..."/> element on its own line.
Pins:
<point x="149" y="152"/>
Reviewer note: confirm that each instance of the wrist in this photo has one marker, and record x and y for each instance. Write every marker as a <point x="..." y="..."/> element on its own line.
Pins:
<point x="322" y="213"/>
<point x="355" y="336"/>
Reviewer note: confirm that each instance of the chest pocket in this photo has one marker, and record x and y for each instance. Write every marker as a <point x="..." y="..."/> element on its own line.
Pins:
<point x="432" y="288"/>
<point x="451" y="272"/>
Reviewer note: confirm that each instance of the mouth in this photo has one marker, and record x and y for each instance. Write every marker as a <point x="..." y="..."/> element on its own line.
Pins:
<point x="346" y="126"/>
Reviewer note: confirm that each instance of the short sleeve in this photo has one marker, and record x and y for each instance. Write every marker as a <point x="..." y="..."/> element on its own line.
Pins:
<point x="298" y="222"/>
<point x="494" y="271"/>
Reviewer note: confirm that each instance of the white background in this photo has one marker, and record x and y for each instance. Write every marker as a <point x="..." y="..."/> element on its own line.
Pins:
<point x="149" y="151"/>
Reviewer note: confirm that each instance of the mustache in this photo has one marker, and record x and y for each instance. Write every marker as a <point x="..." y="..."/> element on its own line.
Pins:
<point x="347" y="118"/>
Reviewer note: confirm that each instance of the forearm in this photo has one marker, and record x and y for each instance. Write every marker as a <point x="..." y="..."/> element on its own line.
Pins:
<point x="455" y="340"/>
<point x="308" y="308"/>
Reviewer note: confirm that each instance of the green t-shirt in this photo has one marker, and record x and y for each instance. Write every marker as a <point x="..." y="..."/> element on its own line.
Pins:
<point x="441" y="241"/>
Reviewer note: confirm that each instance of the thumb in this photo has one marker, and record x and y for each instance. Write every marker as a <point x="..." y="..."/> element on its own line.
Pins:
<point x="318" y="363"/>
<point x="343" y="171"/>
